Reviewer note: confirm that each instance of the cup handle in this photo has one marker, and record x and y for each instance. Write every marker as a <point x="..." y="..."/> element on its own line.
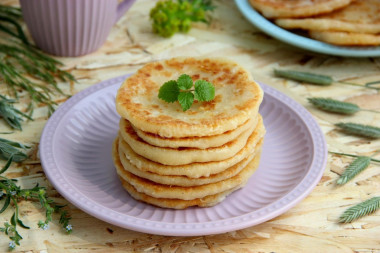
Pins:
<point x="122" y="8"/>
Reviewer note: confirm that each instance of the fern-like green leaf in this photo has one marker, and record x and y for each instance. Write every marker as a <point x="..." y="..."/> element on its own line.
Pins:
<point x="359" y="129"/>
<point x="331" y="105"/>
<point x="362" y="209"/>
<point x="357" y="166"/>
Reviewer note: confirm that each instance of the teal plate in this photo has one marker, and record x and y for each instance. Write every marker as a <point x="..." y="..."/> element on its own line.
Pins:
<point x="300" y="41"/>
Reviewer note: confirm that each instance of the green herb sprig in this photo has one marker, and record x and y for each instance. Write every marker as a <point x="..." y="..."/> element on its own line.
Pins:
<point x="8" y="22"/>
<point x="11" y="193"/>
<point x="12" y="149"/>
<point x="332" y="105"/>
<point x="181" y="91"/>
<point x="10" y="114"/>
<point x="317" y="79"/>
<point x="20" y="60"/>
<point x="362" y="209"/>
<point x="169" y="17"/>
<point x="23" y="68"/>
<point x="360" y="129"/>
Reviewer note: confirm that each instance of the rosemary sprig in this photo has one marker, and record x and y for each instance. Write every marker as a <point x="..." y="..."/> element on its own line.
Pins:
<point x="12" y="149"/>
<point x="332" y="105"/>
<point x="317" y="79"/>
<point x="19" y="60"/>
<point x="10" y="114"/>
<point x="360" y="129"/>
<point x="362" y="209"/>
<point x="12" y="194"/>
<point x="10" y="11"/>
<point x="8" y="17"/>
<point x="23" y="68"/>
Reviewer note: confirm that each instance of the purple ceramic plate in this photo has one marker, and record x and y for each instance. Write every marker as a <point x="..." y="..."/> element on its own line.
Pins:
<point x="75" y="153"/>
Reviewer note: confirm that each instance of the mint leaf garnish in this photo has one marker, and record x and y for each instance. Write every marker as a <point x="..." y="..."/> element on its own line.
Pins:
<point x="185" y="82"/>
<point x="169" y="91"/>
<point x="182" y="91"/>
<point x="204" y="91"/>
<point x="186" y="99"/>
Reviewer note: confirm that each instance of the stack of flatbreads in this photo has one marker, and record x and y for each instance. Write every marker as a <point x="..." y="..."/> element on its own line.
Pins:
<point x="175" y="159"/>
<point x="340" y="22"/>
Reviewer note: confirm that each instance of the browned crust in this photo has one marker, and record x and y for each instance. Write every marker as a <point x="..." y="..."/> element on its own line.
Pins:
<point x="207" y="201"/>
<point x="346" y="38"/>
<point x="162" y="191"/>
<point x="181" y="180"/>
<point x="184" y="155"/>
<point x="297" y="8"/>
<point x="174" y="203"/>
<point x="195" y="142"/>
<point x="358" y="16"/>
<point x="201" y="124"/>
<point x="195" y="170"/>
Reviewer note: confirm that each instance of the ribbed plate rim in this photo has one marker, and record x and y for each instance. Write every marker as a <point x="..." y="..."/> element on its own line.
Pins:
<point x="288" y="37"/>
<point x="272" y="210"/>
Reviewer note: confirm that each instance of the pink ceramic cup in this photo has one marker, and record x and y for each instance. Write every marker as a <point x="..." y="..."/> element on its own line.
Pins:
<point x="71" y="27"/>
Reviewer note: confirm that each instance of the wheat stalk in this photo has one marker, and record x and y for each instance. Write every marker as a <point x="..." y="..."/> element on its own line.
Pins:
<point x="331" y="105"/>
<point x="357" y="166"/>
<point x="362" y="209"/>
<point x="360" y="129"/>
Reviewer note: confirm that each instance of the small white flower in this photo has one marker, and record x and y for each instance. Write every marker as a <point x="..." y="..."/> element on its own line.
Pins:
<point x="45" y="227"/>
<point x="12" y="245"/>
<point x="13" y="193"/>
<point x="69" y="227"/>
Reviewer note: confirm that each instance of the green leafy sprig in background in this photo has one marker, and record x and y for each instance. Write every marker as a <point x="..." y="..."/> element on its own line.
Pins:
<point x="10" y="114"/>
<point x="169" y="17"/>
<point x="181" y="91"/>
<point x="24" y="69"/>
<point x="11" y="194"/>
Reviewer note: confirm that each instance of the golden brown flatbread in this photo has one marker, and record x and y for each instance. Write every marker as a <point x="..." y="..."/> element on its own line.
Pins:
<point x="196" y="142"/>
<point x="237" y="98"/>
<point x="357" y="17"/>
<point x="181" y="156"/>
<point x="346" y="39"/>
<point x="156" y="190"/>
<point x="184" y="180"/>
<point x="297" y="8"/>
<point x="207" y="201"/>
<point x="194" y="170"/>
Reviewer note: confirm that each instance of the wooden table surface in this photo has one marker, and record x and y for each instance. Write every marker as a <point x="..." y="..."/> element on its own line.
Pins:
<point x="310" y="226"/>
